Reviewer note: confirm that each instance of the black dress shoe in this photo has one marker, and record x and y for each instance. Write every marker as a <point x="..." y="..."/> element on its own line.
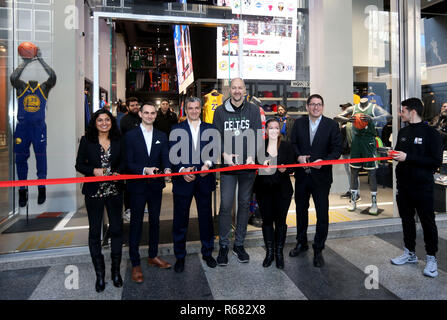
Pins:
<point x="179" y="265"/>
<point x="42" y="196"/>
<point x="210" y="262"/>
<point x="23" y="197"/>
<point x="298" y="249"/>
<point x="318" y="259"/>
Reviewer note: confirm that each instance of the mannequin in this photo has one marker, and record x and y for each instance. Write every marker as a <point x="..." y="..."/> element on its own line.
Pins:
<point x="364" y="146"/>
<point x="31" y="128"/>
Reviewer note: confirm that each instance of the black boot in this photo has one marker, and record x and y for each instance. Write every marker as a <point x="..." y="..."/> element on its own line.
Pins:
<point x="268" y="234"/>
<point x="100" y="270"/>
<point x="42" y="196"/>
<point x="116" y="277"/>
<point x="280" y="239"/>
<point x="23" y="197"/>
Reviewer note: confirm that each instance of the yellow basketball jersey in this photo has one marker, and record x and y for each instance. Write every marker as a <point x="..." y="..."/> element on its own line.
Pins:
<point x="211" y="103"/>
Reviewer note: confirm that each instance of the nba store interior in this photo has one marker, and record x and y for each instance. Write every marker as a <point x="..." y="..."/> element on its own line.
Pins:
<point x="102" y="52"/>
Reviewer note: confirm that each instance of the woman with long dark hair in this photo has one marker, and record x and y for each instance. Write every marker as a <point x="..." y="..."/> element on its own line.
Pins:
<point x="274" y="192"/>
<point x="101" y="153"/>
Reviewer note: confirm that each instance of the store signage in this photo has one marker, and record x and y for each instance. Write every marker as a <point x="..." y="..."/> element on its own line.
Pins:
<point x="269" y="33"/>
<point x="182" y="43"/>
<point x="300" y="84"/>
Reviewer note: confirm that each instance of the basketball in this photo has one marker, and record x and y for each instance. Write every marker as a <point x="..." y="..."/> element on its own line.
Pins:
<point x="358" y="122"/>
<point x="27" y="50"/>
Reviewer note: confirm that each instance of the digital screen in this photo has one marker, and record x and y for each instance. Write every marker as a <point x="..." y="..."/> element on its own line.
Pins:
<point x="182" y="43"/>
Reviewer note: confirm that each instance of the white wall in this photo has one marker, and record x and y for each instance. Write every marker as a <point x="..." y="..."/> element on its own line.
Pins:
<point x="61" y="119"/>
<point x="121" y="66"/>
<point x="330" y="51"/>
<point x="367" y="30"/>
<point x="434" y="74"/>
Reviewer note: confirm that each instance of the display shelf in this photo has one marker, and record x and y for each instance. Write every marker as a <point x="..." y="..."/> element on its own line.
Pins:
<point x="290" y="113"/>
<point x="270" y="98"/>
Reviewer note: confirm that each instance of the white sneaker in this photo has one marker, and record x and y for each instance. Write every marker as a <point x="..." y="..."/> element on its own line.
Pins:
<point x="374" y="210"/>
<point x="407" y="257"/>
<point x="431" y="268"/>
<point x="126" y="215"/>
<point x="353" y="201"/>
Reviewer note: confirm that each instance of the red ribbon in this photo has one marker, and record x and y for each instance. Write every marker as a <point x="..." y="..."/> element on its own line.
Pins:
<point x="41" y="182"/>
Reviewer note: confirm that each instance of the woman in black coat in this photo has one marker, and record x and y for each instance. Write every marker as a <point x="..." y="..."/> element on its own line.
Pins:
<point x="274" y="192"/>
<point x="101" y="153"/>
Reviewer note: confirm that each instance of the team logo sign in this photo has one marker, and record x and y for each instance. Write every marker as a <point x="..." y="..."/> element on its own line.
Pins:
<point x="31" y="103"/>
<point x="280" y="67"/>
<point x="223" y="65"/>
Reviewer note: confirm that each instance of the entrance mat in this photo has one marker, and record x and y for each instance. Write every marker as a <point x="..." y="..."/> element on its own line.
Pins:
<point x="33" y="224"/>
<point x="166" y="231"/>
<point x="50" y="215"/>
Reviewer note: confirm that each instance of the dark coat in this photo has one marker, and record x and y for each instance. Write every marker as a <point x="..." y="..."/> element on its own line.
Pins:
<point x="89" y="158"/>
<point x="279" y="181"/>
<point x="137" y="159"/>
<point x="205" y="184"/>
<point x="327" y="145"/>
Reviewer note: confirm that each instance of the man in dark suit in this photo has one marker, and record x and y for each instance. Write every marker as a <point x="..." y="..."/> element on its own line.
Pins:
<point x="187" y="135"/>
<point x="147" y="152"/>
<point x="314" y="138"/>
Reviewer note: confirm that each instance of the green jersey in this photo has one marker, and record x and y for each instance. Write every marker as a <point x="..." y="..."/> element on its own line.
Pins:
<point x="370" y="129"/>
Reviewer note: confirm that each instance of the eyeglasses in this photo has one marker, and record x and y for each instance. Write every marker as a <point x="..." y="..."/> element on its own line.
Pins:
<point x="319" y="105"/>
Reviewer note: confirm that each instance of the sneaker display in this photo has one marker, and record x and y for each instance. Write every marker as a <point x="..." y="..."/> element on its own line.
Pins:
<point x="242" y="255"/>
<point x="407" y="257"/>
<point x="126" y="215"/>
<point x="353" y="201"/>
<point x="222" y="258"/>
<point x="374" y="210"/>
<point x="431" y="268"/>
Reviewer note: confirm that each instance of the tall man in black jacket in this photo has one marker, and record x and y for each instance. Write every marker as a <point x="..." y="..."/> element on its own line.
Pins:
<point x="314" y="138"/>
<point x="419" y="153"/>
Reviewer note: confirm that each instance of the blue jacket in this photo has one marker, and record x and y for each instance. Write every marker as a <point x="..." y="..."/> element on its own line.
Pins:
<point x="137" y="158"/>
<point x="202" y="184"/>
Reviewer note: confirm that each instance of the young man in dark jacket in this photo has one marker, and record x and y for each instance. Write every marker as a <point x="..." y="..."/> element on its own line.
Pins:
<point x="238" y="122"/>
<point x="419" y="153"/>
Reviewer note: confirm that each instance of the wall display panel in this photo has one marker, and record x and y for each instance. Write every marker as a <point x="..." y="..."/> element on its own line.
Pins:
<point x="182" y="43"/>
<point x="267" y="36"/>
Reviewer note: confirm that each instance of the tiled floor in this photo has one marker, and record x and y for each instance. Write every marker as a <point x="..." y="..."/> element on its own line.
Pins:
<point x="346" y="276"/>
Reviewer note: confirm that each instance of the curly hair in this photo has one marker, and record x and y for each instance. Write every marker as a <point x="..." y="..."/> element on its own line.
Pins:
<point x="92" y="132"/>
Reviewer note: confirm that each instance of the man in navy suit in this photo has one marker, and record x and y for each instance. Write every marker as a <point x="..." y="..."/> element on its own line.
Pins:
<point x="147" y="153"/>
<point x="188" y="135"/>
<point x="314" y="138"/>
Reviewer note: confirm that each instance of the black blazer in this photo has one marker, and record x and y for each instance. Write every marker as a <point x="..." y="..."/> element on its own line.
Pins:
<point x="327" y="145"/>
<point x="204" y="185"/>
<point x="280" y="181"/>
<point x="89" y="158"/>
<point x="137" y="158"/>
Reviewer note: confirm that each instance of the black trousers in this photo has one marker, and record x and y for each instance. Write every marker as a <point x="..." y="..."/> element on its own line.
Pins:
<point x="273" y="207"/>
<point x="420" y="200"/>
<point x="137" y="204"/>
<point x="304" y="188"/>
<point x="182" y="205"/>
<point x="95" y="211"/>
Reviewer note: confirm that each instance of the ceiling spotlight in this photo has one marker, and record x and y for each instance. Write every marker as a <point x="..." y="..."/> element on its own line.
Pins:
<point x="167" y="49"/>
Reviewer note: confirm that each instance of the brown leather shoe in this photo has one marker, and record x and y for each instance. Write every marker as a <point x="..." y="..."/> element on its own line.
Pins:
<point x="137" y="275"/>
<point x="158" y="262"/>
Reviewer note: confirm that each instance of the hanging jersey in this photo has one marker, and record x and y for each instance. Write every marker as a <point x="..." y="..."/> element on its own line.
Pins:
<point x="375" y="99"/>
<point x="211" y="103"/>
<point x="31" y="104"/>
<point x="263" y="121"/>
<point x="135" y="59"/>
<point x="165" y="81"/>
<point x="370" y="129"/>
